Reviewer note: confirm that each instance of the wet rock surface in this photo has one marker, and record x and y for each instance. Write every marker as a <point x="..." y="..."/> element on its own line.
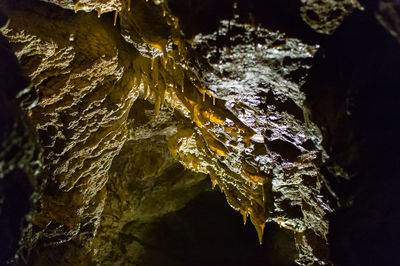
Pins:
<point x="142" y="105"/>
<point x="255" y="75"/>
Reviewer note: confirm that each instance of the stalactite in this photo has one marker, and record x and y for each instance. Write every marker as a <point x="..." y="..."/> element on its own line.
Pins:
<point x="116" y="16"/>
<point x="169" y="77"/>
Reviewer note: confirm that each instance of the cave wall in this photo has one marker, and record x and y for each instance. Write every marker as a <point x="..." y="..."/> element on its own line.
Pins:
<point x="289" y="107"/>
<point x="20" y="153"/>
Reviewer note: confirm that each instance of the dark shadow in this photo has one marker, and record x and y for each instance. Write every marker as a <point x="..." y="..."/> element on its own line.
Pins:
<point x="353" y="93"/>
<point x="208" y="232"/>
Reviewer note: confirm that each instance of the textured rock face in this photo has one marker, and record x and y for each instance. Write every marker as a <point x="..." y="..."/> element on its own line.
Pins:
<point x="84" y="98"/>
<point x="145" y="183"/>
<point x="264" y="150"/>
<point x="122" y="108"/>
<point x="326" y="15"/>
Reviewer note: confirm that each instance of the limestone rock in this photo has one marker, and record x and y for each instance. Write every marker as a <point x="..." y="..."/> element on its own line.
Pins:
<point x="138" y="106"/>
<point x="325" y="16"/>
<point x="84" y="99"/>
<point x="257" y="142"/>
<point x="145" y="183"/>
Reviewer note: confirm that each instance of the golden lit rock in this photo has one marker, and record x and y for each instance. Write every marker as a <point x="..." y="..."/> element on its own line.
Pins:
<point x="131" y="91"/>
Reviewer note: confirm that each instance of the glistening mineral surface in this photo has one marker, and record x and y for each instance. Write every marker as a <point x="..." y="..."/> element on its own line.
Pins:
<point x="139" y="103"/>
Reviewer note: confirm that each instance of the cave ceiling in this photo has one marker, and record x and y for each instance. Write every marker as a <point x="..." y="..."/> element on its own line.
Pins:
<point x="128" y="109"/>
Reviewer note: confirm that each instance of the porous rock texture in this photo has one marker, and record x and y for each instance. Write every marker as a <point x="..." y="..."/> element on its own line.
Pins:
<point x="141" y="103"/>
<point x="326" y="15"/>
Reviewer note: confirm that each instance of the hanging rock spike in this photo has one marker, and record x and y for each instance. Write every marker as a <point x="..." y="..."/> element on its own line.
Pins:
<point x="116" y="16"/>
<point x="214" y="183"/>
<point x="244" y="214"/>
<point x="162" y="97"/>
<point x="178" y="42"/>
<point x="176" y="22"/>
<point x="77" y="7"/>
<point x="165" y="60"/>
<point x="260" y="232"/>
<point x="263" y="192"/>
<point x="203" y="92"/>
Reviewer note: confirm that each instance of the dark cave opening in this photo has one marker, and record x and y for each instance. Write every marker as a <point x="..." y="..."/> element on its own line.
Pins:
<point x="356" y="74"/>
<point x="207" y="232"/>
<point x="14" y="205"/>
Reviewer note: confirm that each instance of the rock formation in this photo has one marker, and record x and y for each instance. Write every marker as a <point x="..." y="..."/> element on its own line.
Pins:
<point x="120" y="113"/>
